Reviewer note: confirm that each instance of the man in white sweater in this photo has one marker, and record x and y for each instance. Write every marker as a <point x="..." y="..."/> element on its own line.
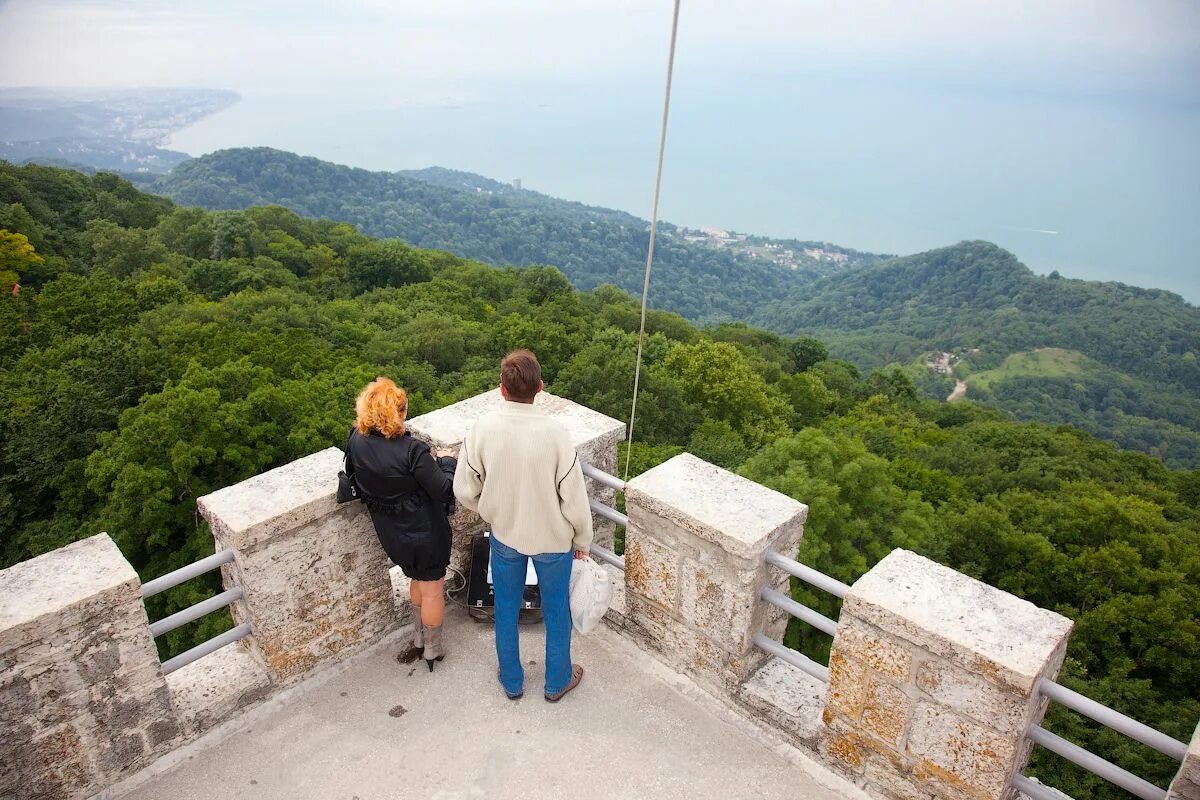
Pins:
<point x="518" y="469"/>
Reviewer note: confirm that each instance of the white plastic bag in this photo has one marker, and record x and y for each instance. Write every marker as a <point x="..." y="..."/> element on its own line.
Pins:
<point x="591" y="591"/>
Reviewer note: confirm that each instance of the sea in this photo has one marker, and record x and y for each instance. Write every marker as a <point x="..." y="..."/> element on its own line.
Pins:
<point x="1092" y="185"/>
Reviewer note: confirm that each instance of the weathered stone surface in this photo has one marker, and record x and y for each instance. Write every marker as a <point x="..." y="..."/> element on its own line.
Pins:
<point x="87" y="575"/>
<point x="693" y="586"/>
<point x="449" y="425"/>
<point x="314" y="576"/>
<point x="886" y="712"/>
<point x="972" y="694"/>
<point x="847" y="693"/>
<point x="652" y="570"/>
<point x="958" y="753"/>
<point x="884" y="777"/>
<point x="209" y="691"/>
<point x="1186" y="785"/>
<point x="401" y="598"/>
<point x="739" y="515"/>
<point x="789" y="698"/>
<point x="867" y="645"/>
<point x="594" y="435"/>
<point x="932" y="682"/>
<point x="983" y="629"/>
<point x="616" y="606"/>
<point x="274" y="502"/>
<point x="82" y="698"/>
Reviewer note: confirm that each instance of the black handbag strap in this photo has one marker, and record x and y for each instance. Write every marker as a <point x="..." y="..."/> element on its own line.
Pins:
<point x="347" y="462"/>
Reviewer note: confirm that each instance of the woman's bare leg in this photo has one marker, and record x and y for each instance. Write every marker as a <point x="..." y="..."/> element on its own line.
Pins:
<point x="414" y="593"/>
<point x="433" y="601"/>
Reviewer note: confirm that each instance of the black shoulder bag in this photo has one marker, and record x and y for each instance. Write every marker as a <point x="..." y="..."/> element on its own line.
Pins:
<point x="347" y="486"/>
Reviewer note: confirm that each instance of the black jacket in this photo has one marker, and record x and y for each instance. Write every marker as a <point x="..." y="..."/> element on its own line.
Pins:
<point x="407" y="490"/>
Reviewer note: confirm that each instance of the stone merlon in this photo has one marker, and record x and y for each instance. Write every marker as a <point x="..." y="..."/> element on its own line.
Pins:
<point x="983" y="629"/>
<point x="736" y="514"/>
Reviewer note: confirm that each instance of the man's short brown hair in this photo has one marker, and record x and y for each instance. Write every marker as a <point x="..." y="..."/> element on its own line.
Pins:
<point x="521" y="375"/>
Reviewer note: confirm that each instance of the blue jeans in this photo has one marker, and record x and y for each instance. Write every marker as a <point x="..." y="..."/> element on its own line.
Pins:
<point x="508" y="582"/>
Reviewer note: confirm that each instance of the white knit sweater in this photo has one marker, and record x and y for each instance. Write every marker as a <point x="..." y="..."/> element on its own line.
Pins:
<point x="518" y="470"/>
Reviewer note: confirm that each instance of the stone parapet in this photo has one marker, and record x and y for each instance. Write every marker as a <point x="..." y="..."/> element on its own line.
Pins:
<point x="695" y="566"/>
<point x="594" y="435"/>
<point x="314" y="577"/>
<point x="933" y="681"/>
<point x="83" y="702"/>
<point x="1186" y="785"/>
<point x="209" y="691"/>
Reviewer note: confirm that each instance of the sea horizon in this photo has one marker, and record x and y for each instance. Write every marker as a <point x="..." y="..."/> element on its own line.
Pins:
<point x="1091" y="186"/>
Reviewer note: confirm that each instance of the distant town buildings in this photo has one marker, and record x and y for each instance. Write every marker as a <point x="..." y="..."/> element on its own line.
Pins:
<point x="516" y="183"/>
<point x="941" y="363"/>
<point x="759" y="247"/>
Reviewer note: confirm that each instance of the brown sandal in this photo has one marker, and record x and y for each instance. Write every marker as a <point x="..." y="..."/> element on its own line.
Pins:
<point x="576" y="677"/>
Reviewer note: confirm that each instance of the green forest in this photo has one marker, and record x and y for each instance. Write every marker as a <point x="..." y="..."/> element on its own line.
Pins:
<point x="155" y="353"/>
<point x="871" y="311"/>
<point x="502" y="226"/>
<point x="1142" y="392"/>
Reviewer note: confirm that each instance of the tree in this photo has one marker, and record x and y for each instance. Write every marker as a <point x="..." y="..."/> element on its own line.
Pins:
<point x="719" y="379"/>
<point x="17" y="257"/>
<point x="385" y="263"/>
<point x="807" y="351"/>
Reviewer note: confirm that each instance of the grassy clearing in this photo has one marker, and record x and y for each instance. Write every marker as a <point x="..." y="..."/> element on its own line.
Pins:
<point x="1046" y="362"/>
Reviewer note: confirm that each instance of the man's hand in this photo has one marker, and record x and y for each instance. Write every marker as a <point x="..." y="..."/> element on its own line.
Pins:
<point x="581" y="554"/>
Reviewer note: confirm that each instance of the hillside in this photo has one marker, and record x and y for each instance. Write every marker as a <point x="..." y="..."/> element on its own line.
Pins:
<point x="157" y="353"/>
<point x="872" y="310"/>
<point x="1143" y="390"/>
<point x="478" y="218"/>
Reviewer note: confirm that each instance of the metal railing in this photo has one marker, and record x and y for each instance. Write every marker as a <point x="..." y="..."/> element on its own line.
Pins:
<point x="801" y="612"/>
<point x="195" y="612"/>
<point x="608" y="512"/>
<point x="1047" y="688"/>
<point x="1093" y="763"/>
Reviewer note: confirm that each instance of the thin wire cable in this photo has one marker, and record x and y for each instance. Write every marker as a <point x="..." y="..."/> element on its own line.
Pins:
<point x="662" y="147"/>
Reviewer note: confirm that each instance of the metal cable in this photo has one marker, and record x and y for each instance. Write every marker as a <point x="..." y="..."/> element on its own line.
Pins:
<point x="662" y="146"/>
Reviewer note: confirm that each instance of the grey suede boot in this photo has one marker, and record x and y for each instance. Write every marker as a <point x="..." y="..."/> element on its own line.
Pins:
<point x="433" y="645"/>
<point x="417" y="641"/>
<point x="413" y="651"/>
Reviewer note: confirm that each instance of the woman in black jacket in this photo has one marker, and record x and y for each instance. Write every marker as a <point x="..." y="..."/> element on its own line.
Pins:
<point x="408" y="492"/>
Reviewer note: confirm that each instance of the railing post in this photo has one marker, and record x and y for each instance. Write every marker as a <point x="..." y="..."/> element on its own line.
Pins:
<point x="695" y="566"/>
<point x="933" y="681"/>
<point x="314" y="579"/>
<point x="594" y="435"/>
<point x="83" y="703"/>
<point x="1186" y="785"/>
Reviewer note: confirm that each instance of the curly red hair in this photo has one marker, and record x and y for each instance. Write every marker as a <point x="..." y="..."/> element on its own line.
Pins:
<point x="381" y="406"/>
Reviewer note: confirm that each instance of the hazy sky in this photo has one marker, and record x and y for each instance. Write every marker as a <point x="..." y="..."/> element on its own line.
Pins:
<point x="453" y="46"/>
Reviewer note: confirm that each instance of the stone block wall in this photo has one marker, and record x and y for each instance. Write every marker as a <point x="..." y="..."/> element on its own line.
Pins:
<point x="1186" y="785"/>
<point x="594" y="435"/>
<point x="933" y="682"/>
<point x="83" y="702"/>
<point x="695" y="565"/>
<point x="314" y="576"/>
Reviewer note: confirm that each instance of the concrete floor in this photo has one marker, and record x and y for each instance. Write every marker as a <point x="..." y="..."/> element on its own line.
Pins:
<point x="376" y="729"/>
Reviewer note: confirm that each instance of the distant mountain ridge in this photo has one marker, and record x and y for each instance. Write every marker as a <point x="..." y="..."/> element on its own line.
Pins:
<point x="972" y="297"/>
<point x="977" y="299"/>
<point x="479" y="218"/>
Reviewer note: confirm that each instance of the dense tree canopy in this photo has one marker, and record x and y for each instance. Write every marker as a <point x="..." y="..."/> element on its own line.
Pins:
<point x="1142" y="385"/>
<point x="157" y="353"/>
<point x="973" y="297"/>
<point x="492" y="222"/>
